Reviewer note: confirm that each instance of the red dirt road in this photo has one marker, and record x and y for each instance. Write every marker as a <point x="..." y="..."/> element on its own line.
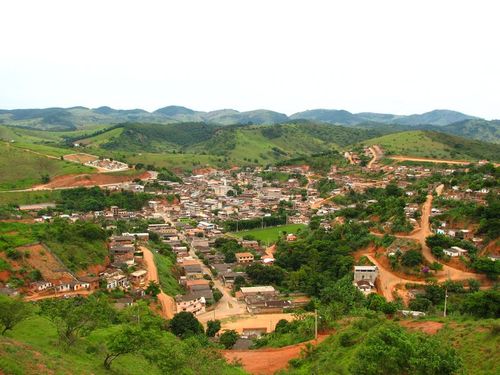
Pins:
<point x="267" y="361"/>
<point x="167" y="302"/>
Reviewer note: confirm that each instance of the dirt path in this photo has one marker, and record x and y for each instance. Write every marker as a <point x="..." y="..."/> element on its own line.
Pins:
<point x="268" y="361"/>
<point x="438" y="161"/>
<point x="39" y="297"/>
<point x="374" y="157"/>
<point x="390" y="282"/>
<point x="167" y="302"/>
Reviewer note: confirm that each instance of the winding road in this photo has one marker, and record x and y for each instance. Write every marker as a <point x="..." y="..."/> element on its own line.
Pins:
<point x="389" y="282"/>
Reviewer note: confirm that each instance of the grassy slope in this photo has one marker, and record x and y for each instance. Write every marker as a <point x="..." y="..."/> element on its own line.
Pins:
<point x="32" y="349"/>
<point x="74" y="254"/>
<point x="22" y="169"/>
<point x="474" y="340"/>
<point x="29" y="197"/>
<point x="435" y="145"/>
<point x="270" y="234"/>
<point x="476" y="343"/>
<point x="168" y="282"/>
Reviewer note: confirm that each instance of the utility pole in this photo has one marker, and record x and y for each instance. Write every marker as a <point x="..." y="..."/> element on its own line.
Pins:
<point x="316" y="324"/>
<point x="446" y="296"/>
<point x="445" y="300"/>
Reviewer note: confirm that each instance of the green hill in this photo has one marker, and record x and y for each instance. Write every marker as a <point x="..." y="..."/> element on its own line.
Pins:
<point x="432" y="144"/>
<point x="487" y="131"/>
<point x="266" y="144"/>
<point x="22" y="169"/>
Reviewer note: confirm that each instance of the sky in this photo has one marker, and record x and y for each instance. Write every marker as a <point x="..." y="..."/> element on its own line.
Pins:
<point x="388" y="56"/>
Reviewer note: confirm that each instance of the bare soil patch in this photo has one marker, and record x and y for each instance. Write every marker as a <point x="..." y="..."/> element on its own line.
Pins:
<point x="267" y="361"/>
<point x="430" y="328"/>
<point x="80" y="158"/>
<point x="41" y="259"/>
<point x="69" y="181"/>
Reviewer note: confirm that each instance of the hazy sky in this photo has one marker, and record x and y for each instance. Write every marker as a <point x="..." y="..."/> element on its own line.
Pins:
<point x="376" y="55"/>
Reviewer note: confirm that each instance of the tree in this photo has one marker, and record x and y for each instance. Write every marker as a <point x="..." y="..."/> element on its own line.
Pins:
<point x="282" y="326"/>
<point x="12" y="312"/>
<point x="474" y="285"/>
<point x="77" y="316"/>
<point x="128" y="339"/>
<point x="261" y="274"/>
<point x="412" y="258"/>
<point x="437" y="251"/>
<point x="213" y="326"/>
<point x="185" y="324"/>
<point x="229" y="338"/>
<point x="390" y="349"/>
<point x="420" y="304"/>
<point x="483" y="304"/>
<point x="45" y="178"/>
<point x="153" y="289"/>
<point x="217" y="294"/>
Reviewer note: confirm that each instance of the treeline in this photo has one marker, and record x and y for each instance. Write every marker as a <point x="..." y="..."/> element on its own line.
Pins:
<point x="266" y="221"/>
<point x="95" y="199"/>
<point x="319" y="258"/>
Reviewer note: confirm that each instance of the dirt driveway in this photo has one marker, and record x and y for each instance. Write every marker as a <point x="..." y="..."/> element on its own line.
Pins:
<point x="268" y="361"/>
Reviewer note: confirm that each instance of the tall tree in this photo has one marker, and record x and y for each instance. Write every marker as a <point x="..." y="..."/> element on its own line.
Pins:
<point x="12" y="312"/>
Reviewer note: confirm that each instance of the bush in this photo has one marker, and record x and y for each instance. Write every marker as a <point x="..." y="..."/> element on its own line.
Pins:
<point x="412" y="258"/>
<point x="229" y="338"/>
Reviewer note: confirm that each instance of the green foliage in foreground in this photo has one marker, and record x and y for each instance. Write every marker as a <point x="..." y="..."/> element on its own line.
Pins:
<point x="373" y="346"/>
<point x="133" y="342"/>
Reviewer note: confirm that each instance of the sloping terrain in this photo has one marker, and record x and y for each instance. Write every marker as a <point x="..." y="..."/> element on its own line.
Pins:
<point x="23" y="168"/>
<point x="431" y="144"/>
<point x="262" y="143"/>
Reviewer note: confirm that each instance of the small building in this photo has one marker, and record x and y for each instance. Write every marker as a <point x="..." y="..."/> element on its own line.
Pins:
<point x="40" y="286"/>
<point x="255" y="290"/>
<point x="191" y="302"/>
<point x="244" y="258"/>
<point x="366" y="286"/>
<point x="369" y="273"/>
<point x="455" y="251"/>
<point x="138" y="277"/>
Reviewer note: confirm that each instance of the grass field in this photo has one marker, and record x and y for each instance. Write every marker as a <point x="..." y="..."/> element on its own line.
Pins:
<point x="271" y="234"/>
<point x="168" y="282"/>
<point x="29" y="197"/>
<point x="435" y="145"/>
<point x="22" y="169"/>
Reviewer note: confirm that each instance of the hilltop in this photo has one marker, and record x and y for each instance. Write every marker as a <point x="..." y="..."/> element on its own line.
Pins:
<point x="78" y="117"/>
<point x="436" y="145"/>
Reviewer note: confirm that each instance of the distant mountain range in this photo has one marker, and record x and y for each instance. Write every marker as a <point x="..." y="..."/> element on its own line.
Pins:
<point x="81" y="116"/>
<point x="447" y="121"/>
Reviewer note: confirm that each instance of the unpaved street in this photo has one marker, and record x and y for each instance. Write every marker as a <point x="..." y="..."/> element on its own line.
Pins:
<point x="167" y="302"/>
